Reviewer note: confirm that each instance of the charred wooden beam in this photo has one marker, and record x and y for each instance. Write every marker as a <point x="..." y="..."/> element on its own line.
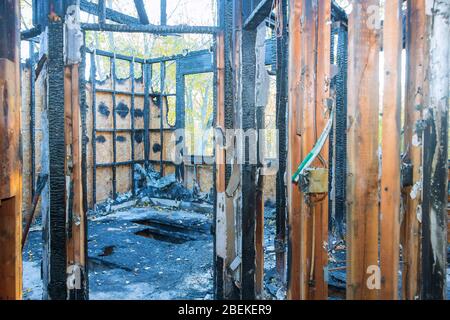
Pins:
<point x="158" y="29"/>
<point x="110" y="14"/>
<point x="54" y="229"/>
<point x="249" y="170"/>
<point x="259" y="14"/>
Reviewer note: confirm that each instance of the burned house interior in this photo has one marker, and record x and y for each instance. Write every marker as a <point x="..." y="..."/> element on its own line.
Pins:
<point x="224" y="149"/>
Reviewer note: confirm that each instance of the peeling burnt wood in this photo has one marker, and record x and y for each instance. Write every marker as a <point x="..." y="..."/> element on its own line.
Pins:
<point x="249" y="171"/>
<point x="262" y="83"/>
<point x="220" y="239"/>
<point x="54" y="274"/>
<point x="226" y="286"/>
<point x="282" y="101"/>
<point x="362" y="149"/>
<point x="391" y="164"/>
<point x="294" y="150"/>
<point x="435" y="156"/>
<point x="10" y="154"/>
<point x="224" y="222"/>
<point x="416" y="55"/>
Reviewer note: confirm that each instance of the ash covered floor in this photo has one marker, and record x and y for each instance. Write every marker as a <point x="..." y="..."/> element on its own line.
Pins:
<point x="149" y="253"/>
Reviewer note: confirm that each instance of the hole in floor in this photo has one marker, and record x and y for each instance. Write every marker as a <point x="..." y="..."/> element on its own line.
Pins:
<point x="173" y="227"/>
<point x="159" y="235"/>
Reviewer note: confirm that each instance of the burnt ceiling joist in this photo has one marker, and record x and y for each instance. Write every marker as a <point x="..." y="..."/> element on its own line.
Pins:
<point x="254" y="15"/>
<point x="110" y="14"/>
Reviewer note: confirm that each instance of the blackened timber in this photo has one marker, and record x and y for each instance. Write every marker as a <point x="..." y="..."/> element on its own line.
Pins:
<point x="435" y="157"/>
<point x="133" y="131"/>
<point x="31" y="33"/>
<point x="416" y="62"/>
<point x="259" y="14"/>
<point x="112" y="15"/>
<point x="133" y="28"/>
<point x="93" y="73"/>
<point x="119" y="56"/>
<point x="147" y="85"/>
<point x="161" y="110"/>
<point x="282" y="101"/>
<point x="32" y="119"/>
<point x="114" y="111"/>
<point x="84" y="161"/>
<point x="56" y="286"/>
<point x="249" y="170"/>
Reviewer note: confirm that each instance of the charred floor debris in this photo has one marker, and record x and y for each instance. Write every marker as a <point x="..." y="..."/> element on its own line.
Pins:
<point x="224" y="150"/>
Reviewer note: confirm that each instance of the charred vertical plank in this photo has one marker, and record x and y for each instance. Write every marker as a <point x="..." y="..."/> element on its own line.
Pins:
<point x="147" y="85"/>
<point x="391" y="166"/>
<point x="282" y="101"/>
<point x="249" y="174"/>
<point x="93" y="79"/>
<point x="56" y="286"/>
<point x="416" y="55"/>
<point x="435" y="156"/>
<point x="114" y="134"/>
<point x="362" y="178"/>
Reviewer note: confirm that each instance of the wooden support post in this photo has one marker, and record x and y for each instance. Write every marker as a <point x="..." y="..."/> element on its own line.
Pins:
<point x="76" y="255"/>
<point x="226" y="229"/>
<point x="416" y="61"/>
<point x="282" y="101"/>
<point x="10" y="159"/>
<point x="294" y="149"/>
<point x="320" y="220"/>
<point x="435" y="155"/>
<point x="391" y="166"/>
<point x="248" y="169"/>
<point x="310" y="68"/>
<point x="362" y="149"/>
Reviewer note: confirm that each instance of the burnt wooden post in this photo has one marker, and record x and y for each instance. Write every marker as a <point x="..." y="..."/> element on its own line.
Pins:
<point x="435" y="155"/>
<point x="10" y="153"/>
<point x="64" y="215"/>
<point x="416" y="57"/>
<point x="282" y="102"/>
